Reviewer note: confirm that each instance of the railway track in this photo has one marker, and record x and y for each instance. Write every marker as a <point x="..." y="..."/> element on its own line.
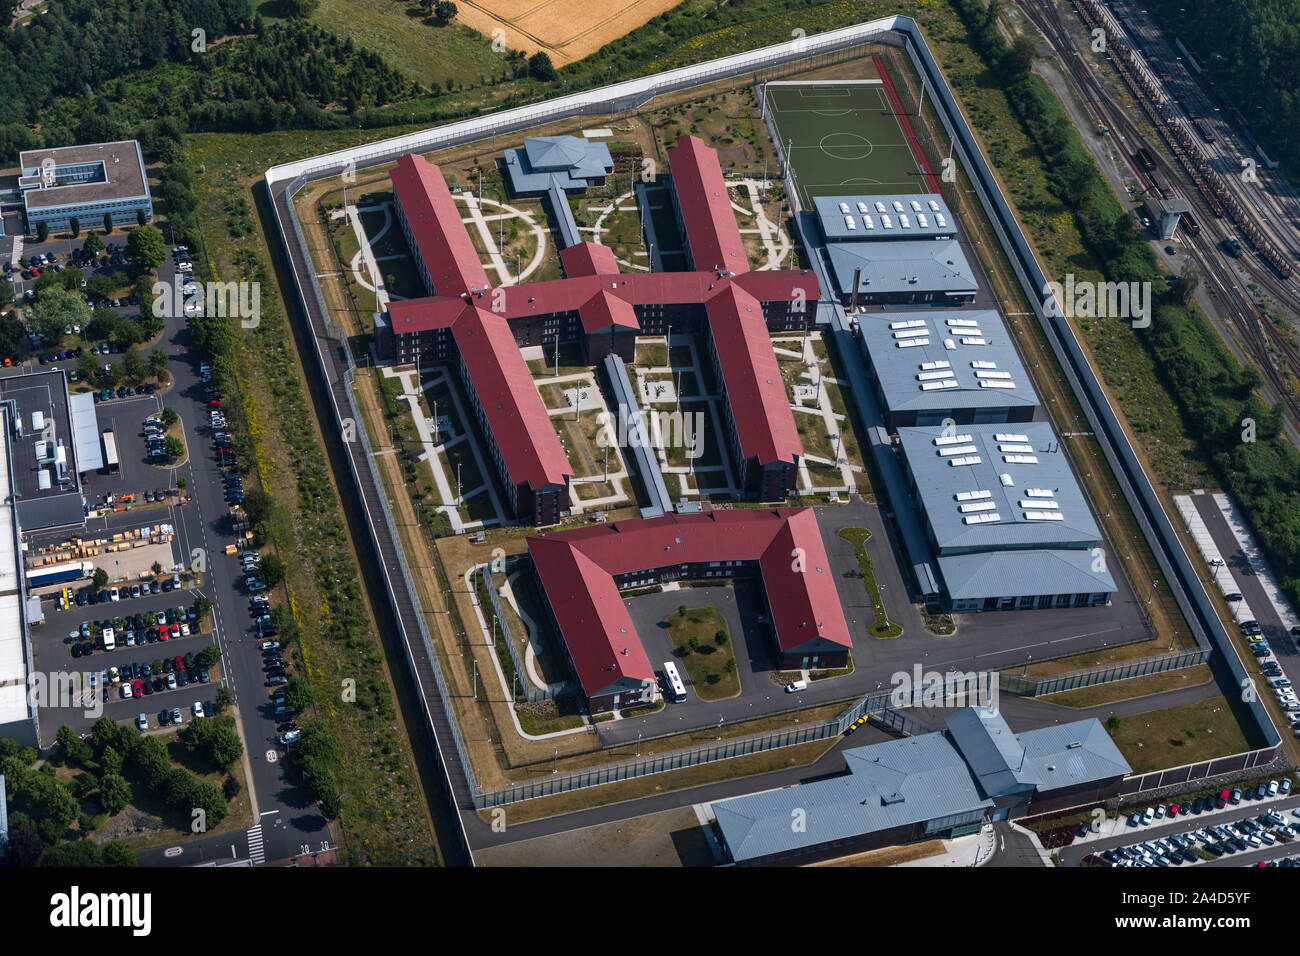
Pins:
<point x="1253" y="328"/>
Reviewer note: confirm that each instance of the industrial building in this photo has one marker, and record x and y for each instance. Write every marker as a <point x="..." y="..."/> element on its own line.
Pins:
<point x="17" y="716"/>
<point x="52" y="441"/>
<point x="604" y="311"/>
<point x="959" y="366"/>
<point x="900" y="249"/>
<point x="84" y="182"/>
<point x="554" y="166"/>
<point x="1005" y="518"/>
<point x="581" y="573"/>
<point x="931" y="786"/>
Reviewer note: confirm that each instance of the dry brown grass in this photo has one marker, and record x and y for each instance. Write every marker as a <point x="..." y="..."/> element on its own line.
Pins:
<point x="567" y="30"/>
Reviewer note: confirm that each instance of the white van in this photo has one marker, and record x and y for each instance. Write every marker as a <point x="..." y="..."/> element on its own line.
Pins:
<point x="110" y="640"/>
<point x="795" y="686"/>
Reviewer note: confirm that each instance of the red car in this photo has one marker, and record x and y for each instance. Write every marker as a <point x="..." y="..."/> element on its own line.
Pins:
<point x="1173" y="810"/>
<point x="138" y="688"/>
<point x="180" y="664"/>
<point x="162" y="633"/>
<point x="214" y="403"/>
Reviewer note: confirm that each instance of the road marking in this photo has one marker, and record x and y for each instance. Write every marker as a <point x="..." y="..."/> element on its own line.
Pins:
<point x="256" y="852"/>
<point x="173" y="851"/>
<point x="272" y="756"/>
<point x="267" y="813"/>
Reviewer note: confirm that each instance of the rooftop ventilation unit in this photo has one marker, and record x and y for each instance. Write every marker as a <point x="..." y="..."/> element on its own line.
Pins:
<point x="969" y="460"/>
<point x="898" y="206"/>
<point x="862" y="208"/>
<point x="880" y="207"/>
<point x="957" y="450"/>
<point x="938" y="363"/>
<point x="908" y="343"/>
<point x="849" y="223"/>
<point x="1020" y="459"/>
<point x="973" y="495"/>
<point x="949" y="344"/>
<point x="910" y="333"/>
<point x="866" y="221"/>
<point x="922" y="221"/>
<point x="986" y="374"/>
<point x="1007" y="436"/>
<point x="962" y="322"/>
<point x="932" y="386"/>
<point x="1044" y="516"/>
<point x="977" y="506"/>
<point x="1031" y="504"/>
<point x="943" y="223"/>
<point x="953" y="440"/>
<point x="997" y="384"/>
<point x="844" y="208"/>
<point x="982" y="519"/>
<point x="1039" y="492"/>
<point x="916" y="206"/>
<point x="904" y="222"/>
<point x="931" y="376"/>
<point x="909" y="324"/>
<point x="1007" y="480"/>
<point x="974" y="342"/>
<point x="1017" y="449"/>
<point x="980" y="364"/>
<point x="934" y="206"/>
<point x="886" y="222"/>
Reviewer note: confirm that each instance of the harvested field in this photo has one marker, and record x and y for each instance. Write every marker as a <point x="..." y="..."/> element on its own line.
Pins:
<point x="567" y="30"/>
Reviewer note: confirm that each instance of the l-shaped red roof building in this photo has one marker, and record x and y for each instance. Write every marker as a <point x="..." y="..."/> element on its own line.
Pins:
<point x="582" y="572"/>
<point x="604" y="311"/>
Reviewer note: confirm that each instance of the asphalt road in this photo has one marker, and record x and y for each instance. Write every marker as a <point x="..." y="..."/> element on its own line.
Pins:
<point x="289" y="818"/>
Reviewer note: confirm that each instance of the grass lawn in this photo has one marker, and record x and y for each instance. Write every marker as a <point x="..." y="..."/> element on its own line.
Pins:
<point x="707" y="662"/>
<point x="399" y="33"/>
<point x="1178" y="735"/>
<point x="1128" y="689"/>
<point x="883" y="627"/>
<point x="549" y="716"/>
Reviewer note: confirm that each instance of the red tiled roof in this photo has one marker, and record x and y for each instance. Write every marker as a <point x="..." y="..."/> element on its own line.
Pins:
<point x="759" y="404"/>
<point x="604" y="648"/>
<point x="577" y="568"/>
<point x="444" y="245"/>
<point x="419" y="315"/>
<point x="604" y="310"/>
<point x="514" y="410"/>
<point x="588" y="259"/>
<point x="706" y="209"/>
<point x="781" y="285"/>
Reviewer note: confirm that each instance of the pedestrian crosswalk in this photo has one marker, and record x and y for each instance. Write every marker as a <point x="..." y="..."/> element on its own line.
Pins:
<point x="256" y="853"/>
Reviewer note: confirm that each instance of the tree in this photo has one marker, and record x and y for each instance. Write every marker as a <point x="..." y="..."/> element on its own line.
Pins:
<point x="108" y="223"/>
<point x="271" y="570"/>
<point x="110" y="375"/>
<point x="225" y="699"/>
<point x="114" y="793"/>
<point x="720" y="637"/>
<point x="731" y="665"/>
<point x="299" y="694"/>
<point x="1188" y="283"/>
<point x="174" y="447"/>
<point x="100" y="578"/>
<point x="444" y="11"/>
<point x="99" y="286"/>
<point x="158" y="364"/>
<point x="215" y="740"/>
<point x="202" y="607"/>
<point x="93" y="244"/>
<point x="82" y="853"/>
<point x="42" y="231"/>
<point x="55" y="310"/>
<point x="133" y="365"/>
<point x="139" y="217"/>
<point x="119" y="853"/>
<point x="540" y="66"/>
<point x="209" y="655"/>
<point x="74" y="224"/>
<point x="169" y="417"/>
<point x="11" y="332"/>
<point x="145" y="247"/>
<point x="302" y="9"/>
<point x="157" y="569"/>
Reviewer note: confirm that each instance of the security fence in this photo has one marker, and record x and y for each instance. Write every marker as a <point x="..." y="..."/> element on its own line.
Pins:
<point x="1124" y="670"/>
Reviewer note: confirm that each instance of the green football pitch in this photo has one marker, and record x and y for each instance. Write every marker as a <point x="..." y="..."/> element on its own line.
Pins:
<point x="842" y="138"/>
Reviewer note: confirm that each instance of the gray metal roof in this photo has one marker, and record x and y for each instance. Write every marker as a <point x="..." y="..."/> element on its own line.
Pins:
<point x="969" y="504"/>
<point x="1063" y="755"/>
<point x="946" y="360"/>
<point x="994" y="754"/>
<point x="1023" y="573"/>
<point x="567" y="161"/>
<point x="907" y="265"/>
<point x="892" y="784"/>
<point x="85" y="432"/>
<point x="870" y="225"/>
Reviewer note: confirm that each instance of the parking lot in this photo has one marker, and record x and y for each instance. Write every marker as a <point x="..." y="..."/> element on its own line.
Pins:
<point x="1241" y="832"/>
